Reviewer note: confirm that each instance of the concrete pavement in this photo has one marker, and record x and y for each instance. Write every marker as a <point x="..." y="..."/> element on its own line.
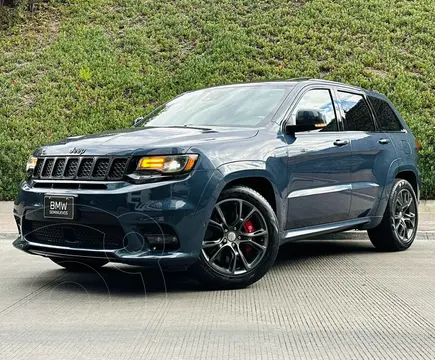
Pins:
<point x="7" y="223"/>
<point x="323" y="299"/>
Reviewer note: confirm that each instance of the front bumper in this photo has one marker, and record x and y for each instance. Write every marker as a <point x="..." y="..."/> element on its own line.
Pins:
<point x="176" y="259"/>
<point x="115" y="223"/>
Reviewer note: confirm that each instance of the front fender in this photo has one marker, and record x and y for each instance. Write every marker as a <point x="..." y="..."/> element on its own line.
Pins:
<point x="239" y="170"/>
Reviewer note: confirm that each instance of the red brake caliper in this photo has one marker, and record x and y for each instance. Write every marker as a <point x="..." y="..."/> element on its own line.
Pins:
<point x="249" y="228"/>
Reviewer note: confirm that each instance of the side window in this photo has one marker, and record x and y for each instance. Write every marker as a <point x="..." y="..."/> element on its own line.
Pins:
<point x="356" y="111"/>
<point x="387" y="119"/>
<point x="316" y="105"/>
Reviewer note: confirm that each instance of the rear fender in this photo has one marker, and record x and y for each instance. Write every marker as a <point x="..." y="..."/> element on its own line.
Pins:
<point x="395" y="168"/>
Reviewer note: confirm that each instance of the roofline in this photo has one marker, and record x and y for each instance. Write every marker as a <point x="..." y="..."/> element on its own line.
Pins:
<point x="333" y="83"/>
<point x="296" y="81"/>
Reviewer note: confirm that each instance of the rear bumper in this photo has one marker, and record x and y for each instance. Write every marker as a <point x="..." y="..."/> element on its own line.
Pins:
<point x="115" y="224"/>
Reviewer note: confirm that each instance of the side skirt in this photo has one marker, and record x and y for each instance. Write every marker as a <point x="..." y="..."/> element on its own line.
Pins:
<point x="303" y="233"/>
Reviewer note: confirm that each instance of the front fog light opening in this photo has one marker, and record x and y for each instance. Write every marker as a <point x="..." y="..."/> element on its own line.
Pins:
<point x="159" y="236"/>
<point x="162" y="241"/>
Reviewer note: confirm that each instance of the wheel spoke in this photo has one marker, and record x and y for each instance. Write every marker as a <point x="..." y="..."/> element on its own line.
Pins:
<point x="400" y="200"/>
<point x="409" y="215"/>
<point x="254" y="234"/>
<point x="401" y="229"/>
<point x="402" y="232"/>
<point x="397" y="226"/>
<point x="233" y="262"/>
<point x="215" y="255"/>
<point x="240" y="212"/>
<point x="409" y="219"/>
<point x="254" y="244"/>
<point x="242" y="257"/>
<point x="410" y="225"/>
<point x="216" y="224"/>
<point x="221" y="214"/>
<point x="210" y="244"/>
<point x="407" y="203"/>
<point x="409" y="222"/>
<point x="406" y="231"/>
<point x="246" y="218"/>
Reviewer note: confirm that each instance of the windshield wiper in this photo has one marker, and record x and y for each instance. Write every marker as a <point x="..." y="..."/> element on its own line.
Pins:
<point x="187" y="126"/>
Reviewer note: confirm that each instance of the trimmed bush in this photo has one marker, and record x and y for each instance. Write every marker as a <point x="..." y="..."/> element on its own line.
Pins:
<point x="75" y="67"/>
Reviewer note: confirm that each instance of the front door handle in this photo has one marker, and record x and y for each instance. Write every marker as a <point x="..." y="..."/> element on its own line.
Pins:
<point x="341" y="142"/>
<point x="384" y="141"/>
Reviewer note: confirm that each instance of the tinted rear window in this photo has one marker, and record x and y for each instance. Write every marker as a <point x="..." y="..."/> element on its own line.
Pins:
<point x="387" y="119"/>
<point x="356" y="111"/>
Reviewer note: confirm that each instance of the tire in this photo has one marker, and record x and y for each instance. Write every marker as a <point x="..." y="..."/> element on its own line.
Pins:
<point x="390" y="235"/>
<point x="79" y="265"/>
<point x="234" y="245"/>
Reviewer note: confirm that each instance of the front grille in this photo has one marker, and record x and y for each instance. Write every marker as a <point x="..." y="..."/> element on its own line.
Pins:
<point x="48" y="167"/>
<point x="81" y="168"/>
<point x="85" y="168"/>
<point x="59" y="168"/>
<point x="71" y="167"/>
<point x="101" y="237"/>
<point x="118" y="168"/>
<point x="100" y="169"/>
<point x="38" y="167"/>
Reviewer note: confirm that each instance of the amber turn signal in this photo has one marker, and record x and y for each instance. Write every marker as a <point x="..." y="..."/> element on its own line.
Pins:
<point x="168" y="164"/>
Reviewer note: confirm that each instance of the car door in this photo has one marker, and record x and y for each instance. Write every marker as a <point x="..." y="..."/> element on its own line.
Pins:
<point x="387" y="120"/>
<point x="372" y="153"/>
<point x="318" y="164"/>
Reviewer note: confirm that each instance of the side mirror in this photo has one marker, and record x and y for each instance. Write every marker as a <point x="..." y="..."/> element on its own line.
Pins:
<point x="307" y="120"/>
<point x="138" y="120"/>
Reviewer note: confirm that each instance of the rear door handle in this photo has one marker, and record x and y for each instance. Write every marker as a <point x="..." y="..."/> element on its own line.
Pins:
<point x="341" y="142"/>
<point x="384" y="141"/>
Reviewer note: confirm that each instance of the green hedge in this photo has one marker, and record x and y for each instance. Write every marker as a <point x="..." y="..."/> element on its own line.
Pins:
<point x="75" y="67"/>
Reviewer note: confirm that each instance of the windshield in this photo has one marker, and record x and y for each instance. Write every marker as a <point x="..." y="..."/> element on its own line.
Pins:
<point x="225" y="106"/>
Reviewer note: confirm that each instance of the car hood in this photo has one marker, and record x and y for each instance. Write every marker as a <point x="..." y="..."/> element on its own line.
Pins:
<point x="142" y="141"/>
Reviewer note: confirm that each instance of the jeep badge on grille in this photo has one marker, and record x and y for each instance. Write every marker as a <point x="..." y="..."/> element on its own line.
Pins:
<point x="77" y="151"/>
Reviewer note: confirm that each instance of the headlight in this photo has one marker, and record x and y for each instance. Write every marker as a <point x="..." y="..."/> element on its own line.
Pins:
<point x="31" y="163"/>
<point x="169" y="164"/>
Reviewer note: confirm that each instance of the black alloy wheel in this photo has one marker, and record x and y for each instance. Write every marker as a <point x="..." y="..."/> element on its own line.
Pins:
<point x="398" y="228"/>
<point x="241" y="241"/>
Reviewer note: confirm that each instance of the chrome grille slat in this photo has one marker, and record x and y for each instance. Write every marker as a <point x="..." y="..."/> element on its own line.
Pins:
<point x="81" y="168"/>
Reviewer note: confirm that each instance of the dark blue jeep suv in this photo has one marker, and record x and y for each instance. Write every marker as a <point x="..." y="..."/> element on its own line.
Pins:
<point x="215" y="180"/>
